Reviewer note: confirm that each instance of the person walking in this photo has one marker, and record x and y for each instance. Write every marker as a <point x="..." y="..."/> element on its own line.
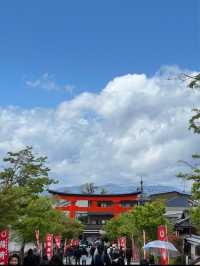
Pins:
<point x="37" y="256"/>
<point x="14" y="260"/>
<point x="99" y="257"/>
<point x="30" y="259"/>
<point x="121" y="260"/>
<point x="92" y="251"/>
<point x="128" y="255"/>
<point x="77" y="255"/>
<point x="84" y="255"/>
<point x="44" y="260"/>
<point x="115" y="256"/>
<point x="55" y="260"/>
<point x="107" y="257"/>
<point x="69" y="255"/>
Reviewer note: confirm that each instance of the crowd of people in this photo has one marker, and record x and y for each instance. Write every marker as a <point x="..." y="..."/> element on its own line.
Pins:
<point x="98" y="254"/>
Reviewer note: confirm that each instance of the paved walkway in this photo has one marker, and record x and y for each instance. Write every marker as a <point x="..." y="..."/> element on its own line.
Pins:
<point x="89" y="260"/>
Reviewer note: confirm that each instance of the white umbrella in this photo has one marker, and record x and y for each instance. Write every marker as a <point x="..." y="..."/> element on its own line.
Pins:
<point x="156" y="245"/>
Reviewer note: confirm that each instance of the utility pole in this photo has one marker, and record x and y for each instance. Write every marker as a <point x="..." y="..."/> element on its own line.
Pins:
<point x="141" y="186"/>
<point x="142" y="192"/>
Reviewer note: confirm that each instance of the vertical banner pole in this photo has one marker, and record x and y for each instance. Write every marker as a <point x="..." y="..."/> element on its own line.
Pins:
<point x="144" y="239"/>
<point x="167" y="241"/>
<point x="162" y="235"/>
<point x="4" y="236"/>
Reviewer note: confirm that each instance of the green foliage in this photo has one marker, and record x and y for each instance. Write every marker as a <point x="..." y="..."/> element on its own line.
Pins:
<point x="25" y="170"/>
<point x="72" y="229"/>
<point x="8" y="206"/>
<point x="193" y="175"/>
<point x="132" y="224"/>
<point x="194" y="121"/>
<point x="22" y="208"/>
<point x="195" y="215"/>
<point x="88" y="188"/>
<point x="41" y="215"/>
<point x="195" y="81"/>
<point x="113" y="226"/>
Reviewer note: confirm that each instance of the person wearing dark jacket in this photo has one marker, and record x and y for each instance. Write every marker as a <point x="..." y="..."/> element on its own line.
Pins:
<point x="14" y="260"/>
<point x="99" y="257"/>
<point x="92" y="250"/>
<point x="69" y="255"/>
<point x="121" y="257"/>
<point x="44" y="260"/>
<point x="115" y="256"/>
<point x="77" y="255"/>
<point x="55" y="260"/>
<point x="84" y="255"/>
<point x="30" y="259"/>
<point x="107" y="258"/>
<point x="37" y="256"/>
<point x="128" y="255"/>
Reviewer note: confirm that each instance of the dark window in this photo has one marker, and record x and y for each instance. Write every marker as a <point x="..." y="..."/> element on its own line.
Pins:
<point x="104" y="203"/>
<point x="129" y="203"/>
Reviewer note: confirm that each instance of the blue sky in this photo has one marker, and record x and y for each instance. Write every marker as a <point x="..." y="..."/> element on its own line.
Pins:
<point x="87" y="43"/>
<point x="107" y="111"/>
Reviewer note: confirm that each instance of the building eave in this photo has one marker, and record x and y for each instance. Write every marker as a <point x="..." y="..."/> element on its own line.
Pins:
<point x="92" y="195"/>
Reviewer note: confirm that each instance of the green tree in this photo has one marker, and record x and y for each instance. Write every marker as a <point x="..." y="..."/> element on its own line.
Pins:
<point x="112" y="227"/>
<point x="22" y="207"/>
<point x="8" y="206"/>
<point x="88" y="188"/>
<point x="21" y="204"/>
<point x="103" y="191"/>
<point x="194" y="172"/>
<point x="144" y="217"/>
<point x="41" y="215"/>
<point x="24" y="169"/>
<point x="195" y="215"/>
<point x="194" y="125"/>
<point x="72" y="229"/>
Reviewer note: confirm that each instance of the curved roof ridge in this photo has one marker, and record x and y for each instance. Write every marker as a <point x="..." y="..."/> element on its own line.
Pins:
<point x="92" y="195"/>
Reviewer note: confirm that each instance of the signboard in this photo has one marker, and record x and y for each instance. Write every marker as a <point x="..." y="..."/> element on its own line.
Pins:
<point x="75" y="242"/>
<point x="65" y="247"/>
<point x="135" y="253"/>
<point x="162" y="235"/>
<point x="37" y="236"/>
<point x="57" y="241"/>
<point x="144" y="242"/>
<point x="49" y="245"/>
<point x="4" y="247"/>
<point x="122" y="242"/>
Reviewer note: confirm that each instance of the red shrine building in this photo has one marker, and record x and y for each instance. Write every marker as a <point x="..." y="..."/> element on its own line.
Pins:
<point x="95" y="209"/>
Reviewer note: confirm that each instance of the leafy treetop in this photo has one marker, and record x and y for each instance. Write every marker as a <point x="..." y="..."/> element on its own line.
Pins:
<point x="25" y="170"/>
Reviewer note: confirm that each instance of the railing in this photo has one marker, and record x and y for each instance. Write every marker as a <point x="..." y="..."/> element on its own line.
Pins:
<point x="93" y="226"/>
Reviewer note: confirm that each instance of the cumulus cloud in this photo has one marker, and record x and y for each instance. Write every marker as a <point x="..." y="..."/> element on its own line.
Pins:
<point x="47" y="82"/>
<point x="136" y="125"/>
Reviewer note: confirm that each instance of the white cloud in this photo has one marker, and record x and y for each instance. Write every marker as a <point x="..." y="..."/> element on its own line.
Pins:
<point x="47" y="82"/>
<point x="135" y="126"/>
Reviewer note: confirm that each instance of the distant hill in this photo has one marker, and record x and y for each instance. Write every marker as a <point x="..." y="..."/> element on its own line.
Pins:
<point x="122" y="188"/>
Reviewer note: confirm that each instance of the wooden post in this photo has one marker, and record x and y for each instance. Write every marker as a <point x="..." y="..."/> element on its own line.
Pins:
<point x="72" y="209"/>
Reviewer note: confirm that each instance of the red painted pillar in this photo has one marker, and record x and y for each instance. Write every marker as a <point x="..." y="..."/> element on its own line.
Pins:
<point x="72" y="209"/>
<point x="116" y="207"/>
<point x="93" y="203"/>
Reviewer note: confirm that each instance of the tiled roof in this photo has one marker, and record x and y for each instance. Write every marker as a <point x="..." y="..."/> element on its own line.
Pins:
<point x="178" y="202"/>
